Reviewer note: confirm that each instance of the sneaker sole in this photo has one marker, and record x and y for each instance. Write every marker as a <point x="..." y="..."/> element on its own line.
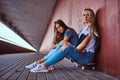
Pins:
<point x="39" y="71"/>
<point x="28" y="67"/>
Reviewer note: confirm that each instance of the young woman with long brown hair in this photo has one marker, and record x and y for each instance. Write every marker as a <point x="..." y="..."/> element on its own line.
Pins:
<point x="62" y="34"/>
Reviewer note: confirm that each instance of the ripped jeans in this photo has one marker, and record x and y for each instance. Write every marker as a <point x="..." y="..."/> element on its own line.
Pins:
<point x="56" y="55"/>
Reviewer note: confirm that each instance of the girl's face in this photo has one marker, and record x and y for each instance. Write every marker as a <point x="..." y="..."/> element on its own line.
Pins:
<point x="87" y="18"/>
<point x="59" y="28"/>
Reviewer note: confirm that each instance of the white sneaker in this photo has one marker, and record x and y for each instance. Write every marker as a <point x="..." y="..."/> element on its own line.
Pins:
<point x="39" y="68"/>
<point x="30" y="66"/>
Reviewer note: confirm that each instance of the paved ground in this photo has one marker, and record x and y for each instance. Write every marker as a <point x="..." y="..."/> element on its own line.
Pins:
<point x="12" y="67"/>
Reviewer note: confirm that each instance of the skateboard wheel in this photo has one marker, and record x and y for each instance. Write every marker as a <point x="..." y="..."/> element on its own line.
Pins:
<point x="83" y="67"/>
<point x="93" y="68"/>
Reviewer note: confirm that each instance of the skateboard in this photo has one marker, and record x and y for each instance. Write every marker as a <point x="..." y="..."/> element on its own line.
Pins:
<point x="87" y="66"/>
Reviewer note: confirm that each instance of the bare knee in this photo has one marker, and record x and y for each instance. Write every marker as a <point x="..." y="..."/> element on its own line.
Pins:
<point x="64" y="46"/>
<point x="62" y="42"/>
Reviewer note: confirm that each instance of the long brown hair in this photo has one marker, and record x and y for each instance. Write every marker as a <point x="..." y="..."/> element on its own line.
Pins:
<point x="57" y="35"/>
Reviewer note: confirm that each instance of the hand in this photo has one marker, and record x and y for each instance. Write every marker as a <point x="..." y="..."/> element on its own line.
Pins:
<point x="83" y="51"/>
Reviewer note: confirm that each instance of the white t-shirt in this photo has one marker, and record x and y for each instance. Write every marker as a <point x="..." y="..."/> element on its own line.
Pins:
<point x="90" y="47"/>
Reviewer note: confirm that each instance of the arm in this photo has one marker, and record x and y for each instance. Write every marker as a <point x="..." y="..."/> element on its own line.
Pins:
<point x="65" y="39"/>
<point x="67" y="36"/>
<point x="56" y="40"/>
<point x="83" y="44"/>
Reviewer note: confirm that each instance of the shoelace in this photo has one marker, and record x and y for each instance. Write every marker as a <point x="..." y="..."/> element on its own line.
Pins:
<point x="34" y="65"/>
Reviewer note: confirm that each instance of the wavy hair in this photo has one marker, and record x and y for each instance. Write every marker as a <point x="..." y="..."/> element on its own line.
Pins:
<point x="57" y="35"/>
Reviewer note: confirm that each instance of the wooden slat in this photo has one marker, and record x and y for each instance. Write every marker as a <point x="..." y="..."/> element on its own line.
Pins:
<point x="41" y="76"/>
<point x="12" y="67"/>
<point x="20" y="70"/>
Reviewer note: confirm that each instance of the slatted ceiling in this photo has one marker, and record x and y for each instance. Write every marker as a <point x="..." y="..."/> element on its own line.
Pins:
<point x="29" y="17"/>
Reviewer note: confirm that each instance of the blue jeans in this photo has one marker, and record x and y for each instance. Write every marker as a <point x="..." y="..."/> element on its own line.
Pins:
<point x="52" y="52"/>
<point x="79" y="57"/>
<point x="57" y="55"/>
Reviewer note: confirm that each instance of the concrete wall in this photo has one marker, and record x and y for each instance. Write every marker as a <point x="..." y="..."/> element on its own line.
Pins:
<point x="7" y="48"/>
<point x="108" y="18"/>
